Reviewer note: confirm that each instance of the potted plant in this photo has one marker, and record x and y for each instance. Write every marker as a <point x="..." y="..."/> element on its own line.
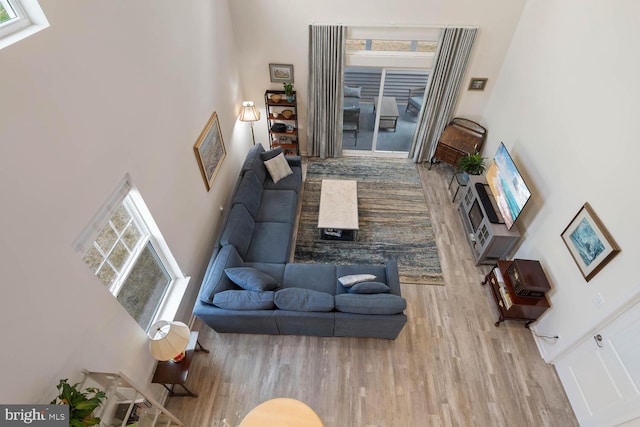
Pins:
<point x="288" y="91"/>
<point x="81" y="403"/>
<point x="471" y="164"/>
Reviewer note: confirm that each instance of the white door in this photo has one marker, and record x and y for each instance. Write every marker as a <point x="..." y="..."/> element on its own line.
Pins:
<point x="602" y="375"/>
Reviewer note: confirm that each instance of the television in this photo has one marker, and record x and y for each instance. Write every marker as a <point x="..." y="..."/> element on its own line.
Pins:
<point x="509" y="190"/>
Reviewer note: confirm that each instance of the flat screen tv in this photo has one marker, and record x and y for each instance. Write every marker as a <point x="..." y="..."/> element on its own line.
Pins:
<point x="507" y="186"/>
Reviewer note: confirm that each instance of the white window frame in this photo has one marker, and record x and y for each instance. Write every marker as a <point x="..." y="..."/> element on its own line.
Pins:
<point x="29" y="20"/>
<point x="128" y="194"/>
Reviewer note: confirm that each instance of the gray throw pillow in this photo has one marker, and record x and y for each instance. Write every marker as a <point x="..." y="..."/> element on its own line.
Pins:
<point x="278" y="168"/>
<point x="368" y="288"/>
<point x="352" y="279"/>
<point x="298" y="299"/>
<point x="251" y="279"/>
<point x="244" y="300"/>
<point x="370" y="304"/>
<point x="352" y="92"/>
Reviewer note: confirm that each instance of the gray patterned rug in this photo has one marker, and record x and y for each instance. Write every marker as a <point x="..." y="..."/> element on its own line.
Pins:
<point x="393" y="216"/>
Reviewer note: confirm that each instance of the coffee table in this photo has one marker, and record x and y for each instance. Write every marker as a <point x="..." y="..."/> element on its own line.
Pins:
<point x="388" y="112"/>
<point x="338" y="215"/>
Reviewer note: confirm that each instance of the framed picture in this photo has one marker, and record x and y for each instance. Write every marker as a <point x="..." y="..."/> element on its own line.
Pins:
<point x="477" y="83"/>
<point x="589" y="242"/>
<point x="210" y="150"/>
<point x="281" y="73"/>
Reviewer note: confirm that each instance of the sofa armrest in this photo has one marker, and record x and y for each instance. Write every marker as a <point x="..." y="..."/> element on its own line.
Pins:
<point x="294" y="160"/>
<point x="393" y="277"/>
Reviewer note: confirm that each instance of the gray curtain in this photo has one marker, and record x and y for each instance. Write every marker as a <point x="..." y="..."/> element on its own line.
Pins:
<point x="326" y="70"/>
<point x="443" y="89"/>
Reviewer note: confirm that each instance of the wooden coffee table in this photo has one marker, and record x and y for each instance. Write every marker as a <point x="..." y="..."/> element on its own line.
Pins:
<point x="388" y="112"/>
<point x="338" y="215"/>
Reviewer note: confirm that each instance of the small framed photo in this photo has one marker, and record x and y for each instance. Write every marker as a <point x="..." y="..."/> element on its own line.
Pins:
<point x="210" y="151"/>
<point x="477" y="83"/>
<point x="281" y="73"/>
<point x="589" y="242"/>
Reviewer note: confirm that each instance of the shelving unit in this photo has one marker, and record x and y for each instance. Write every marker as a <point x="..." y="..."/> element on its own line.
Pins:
<point x="126" y="404"/>
<point x="288" y="139"/>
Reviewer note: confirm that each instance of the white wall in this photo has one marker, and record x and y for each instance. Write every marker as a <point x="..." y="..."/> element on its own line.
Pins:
<point x="110" y="88"/>
<point x="566" y="106"/>
<point x="277" y="31"/>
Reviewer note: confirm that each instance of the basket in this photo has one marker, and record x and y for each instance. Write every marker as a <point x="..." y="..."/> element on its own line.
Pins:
<point x="275" y="97"/>
<point x="287" y="114"/>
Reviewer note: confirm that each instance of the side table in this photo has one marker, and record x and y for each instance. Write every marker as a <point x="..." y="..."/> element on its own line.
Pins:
<point x="170" y="374"/>
<point x="462" y="180"/>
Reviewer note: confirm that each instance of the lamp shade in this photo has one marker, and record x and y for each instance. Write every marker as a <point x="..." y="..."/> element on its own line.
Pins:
<point x="168" y="339"/>
<point x="249" y="112"/>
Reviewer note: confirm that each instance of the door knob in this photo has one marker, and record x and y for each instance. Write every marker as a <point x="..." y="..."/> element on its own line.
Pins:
<point x="598" y="339"/>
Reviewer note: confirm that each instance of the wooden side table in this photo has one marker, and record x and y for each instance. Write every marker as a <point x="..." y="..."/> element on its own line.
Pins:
<point x="282" y="412"/>
<point x="171" y="374"/>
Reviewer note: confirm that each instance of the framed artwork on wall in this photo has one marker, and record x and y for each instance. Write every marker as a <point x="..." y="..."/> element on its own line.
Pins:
<point x="477" y="83"/>
<point x="210" y="151"/>
<point x="281" y="73"/>
<point x="589" y="242"/>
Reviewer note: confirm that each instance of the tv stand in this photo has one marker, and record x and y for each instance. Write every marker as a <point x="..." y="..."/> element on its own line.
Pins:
<point x="489" y="241"/>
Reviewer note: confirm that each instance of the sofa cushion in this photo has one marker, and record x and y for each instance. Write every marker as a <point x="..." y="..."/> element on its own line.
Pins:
<point x="368" y="288"/>
<point x="244" y="300"/>
<point x="352" y="279"/>
<point x="238" y="231"/>
<point x="271" y="242"/>
<point x="249" y="193"/>
<point x="215" y="280"/>
<point x="297" y="299"/>
<point x="253" y="162"/>
<point x="370" y="304"/>
<point x="278" y="206"/>
<point x="352" y="92"/>
<point x="251" y="279"/>
<point x="318" y="277"/>
<point x="270" y="154"/>
<point x="278" y="168"/>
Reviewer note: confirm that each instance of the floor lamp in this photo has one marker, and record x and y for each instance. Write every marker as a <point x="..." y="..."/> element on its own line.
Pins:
<point x="250" y="113"/>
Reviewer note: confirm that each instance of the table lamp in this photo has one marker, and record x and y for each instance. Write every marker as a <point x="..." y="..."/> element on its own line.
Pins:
<point x="250" y="113"/>
<point x="168" y="340"/>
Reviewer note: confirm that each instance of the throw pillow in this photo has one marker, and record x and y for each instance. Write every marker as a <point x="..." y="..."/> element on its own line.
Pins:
<point x="278" y="168"/>
<point x="352" y="279"/>
<point x="298" y="299"/>
<point x="244" y="300"/>
<point x="369" y="288"/>
<point x="370" y="304"/>
<point x="352" y="92"/>
<point x="251" y="279"/>
<point x="268" y="155"/>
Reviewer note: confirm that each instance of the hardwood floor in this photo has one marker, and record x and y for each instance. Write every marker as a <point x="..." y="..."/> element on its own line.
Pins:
<point x="450" y="366"/>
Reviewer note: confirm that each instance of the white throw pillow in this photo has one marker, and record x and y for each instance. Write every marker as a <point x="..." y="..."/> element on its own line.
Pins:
<point x="352" y="279"/>
<point x="278" y="168"/>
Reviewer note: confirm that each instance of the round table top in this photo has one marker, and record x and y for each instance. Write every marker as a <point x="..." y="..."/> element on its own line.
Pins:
<point x="282" y="412"/>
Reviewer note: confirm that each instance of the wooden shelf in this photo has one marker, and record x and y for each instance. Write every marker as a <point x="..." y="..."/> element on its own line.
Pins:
<point x="291" y="146"/>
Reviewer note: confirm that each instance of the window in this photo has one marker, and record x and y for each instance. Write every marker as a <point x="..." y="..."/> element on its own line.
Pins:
<point x="125" y="250"/>
<point x="20" y="19"/>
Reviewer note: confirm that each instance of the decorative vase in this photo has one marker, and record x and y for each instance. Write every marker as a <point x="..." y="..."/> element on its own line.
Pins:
<point x="289" y="98"/>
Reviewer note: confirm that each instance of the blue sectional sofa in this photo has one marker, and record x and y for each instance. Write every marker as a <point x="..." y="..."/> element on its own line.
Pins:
<point x="251" y="287"/>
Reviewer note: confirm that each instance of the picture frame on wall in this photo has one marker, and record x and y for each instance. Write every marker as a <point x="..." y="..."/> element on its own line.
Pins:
<point x="477" y="83"/>
<point x="281" y="73"/>
<point x="210" y="150"/>
<point x="589" y="242"/>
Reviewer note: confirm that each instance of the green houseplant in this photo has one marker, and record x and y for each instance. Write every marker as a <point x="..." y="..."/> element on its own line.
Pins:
<point x="81" y="403"/>
<point x="472" y="164"/>
<point x="288" y="91"/>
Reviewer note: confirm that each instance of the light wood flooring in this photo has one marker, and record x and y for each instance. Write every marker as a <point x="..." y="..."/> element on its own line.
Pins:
<point x="450" y="366"/>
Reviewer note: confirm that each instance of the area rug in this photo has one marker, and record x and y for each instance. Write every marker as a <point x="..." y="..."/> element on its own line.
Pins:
<point x="393" y="218"/>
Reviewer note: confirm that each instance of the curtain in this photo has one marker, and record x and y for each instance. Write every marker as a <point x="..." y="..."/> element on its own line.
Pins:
<point x="443" y="89"/>
<point x="326" y="70"/>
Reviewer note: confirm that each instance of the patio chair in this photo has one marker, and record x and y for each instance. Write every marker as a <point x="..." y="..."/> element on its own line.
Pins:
<point x="415" y="99"/>
<point x="351" y="122"/>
